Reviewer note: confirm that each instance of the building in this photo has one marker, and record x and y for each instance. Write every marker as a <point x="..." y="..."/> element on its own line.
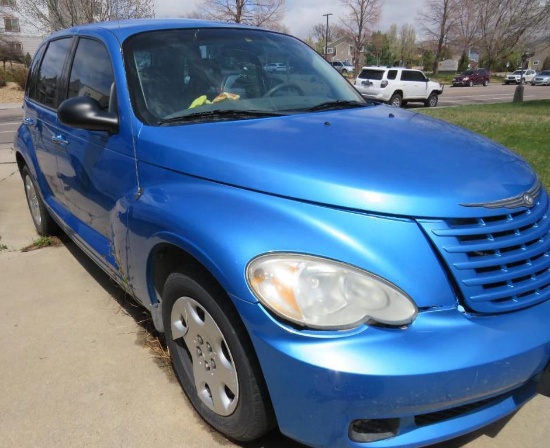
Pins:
<point x="340" y="50"/>
<point x="18" y="33"/>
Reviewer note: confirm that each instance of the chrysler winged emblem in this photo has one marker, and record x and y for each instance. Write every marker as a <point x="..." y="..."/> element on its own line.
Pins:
<point x="526" y="199"/>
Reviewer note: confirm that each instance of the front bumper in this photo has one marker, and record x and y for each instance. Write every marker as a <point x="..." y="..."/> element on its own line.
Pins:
<point x="473" y="369"/>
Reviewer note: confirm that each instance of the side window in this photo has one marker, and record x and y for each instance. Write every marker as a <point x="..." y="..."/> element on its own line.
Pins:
<point x="406" y="75"/>
<point x="32" y="79"/>
<point x="92" y="72"/>
<point x="412" y="75"/>
<point x="49" y="74"/>
<point x="392" y="74"/>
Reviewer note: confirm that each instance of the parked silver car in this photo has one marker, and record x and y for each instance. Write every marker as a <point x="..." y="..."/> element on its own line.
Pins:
<point x="542" y="79"/>
<point x="516" y="77"/>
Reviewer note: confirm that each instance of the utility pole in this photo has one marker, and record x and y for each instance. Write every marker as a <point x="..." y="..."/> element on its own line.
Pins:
<point x="326" y="36"/>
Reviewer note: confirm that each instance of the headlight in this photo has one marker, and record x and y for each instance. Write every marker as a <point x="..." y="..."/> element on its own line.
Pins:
<point x="324" y="294"/>
<point x="466" y="79"/>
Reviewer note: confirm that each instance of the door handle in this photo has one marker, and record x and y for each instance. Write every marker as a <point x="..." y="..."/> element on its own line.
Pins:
<point x="28" y="121"/>
<point x="59" y="140"/>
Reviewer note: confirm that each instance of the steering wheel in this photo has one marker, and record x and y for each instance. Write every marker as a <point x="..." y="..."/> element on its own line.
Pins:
<point x="283" y="86"/>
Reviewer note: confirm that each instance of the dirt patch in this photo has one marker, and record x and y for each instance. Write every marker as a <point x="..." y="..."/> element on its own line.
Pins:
<point x="12" y="93"/>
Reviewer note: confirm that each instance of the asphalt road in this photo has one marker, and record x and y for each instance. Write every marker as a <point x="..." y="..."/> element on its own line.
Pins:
<point x="10" y="119"/>
<point x="493" y="93"/>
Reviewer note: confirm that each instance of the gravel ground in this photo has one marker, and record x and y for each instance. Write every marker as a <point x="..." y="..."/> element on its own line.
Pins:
<point x="12" y="93"/>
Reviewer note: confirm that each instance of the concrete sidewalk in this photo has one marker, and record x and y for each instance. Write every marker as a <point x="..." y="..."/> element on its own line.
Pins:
<point x="76" y="371"/>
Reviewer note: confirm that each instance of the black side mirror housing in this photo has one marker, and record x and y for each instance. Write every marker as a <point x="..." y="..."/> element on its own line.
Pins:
<point x="85" y="113"/>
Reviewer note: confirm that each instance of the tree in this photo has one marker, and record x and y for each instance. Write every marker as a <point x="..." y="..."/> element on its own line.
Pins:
<point x="428" y="57"/>
<point x="52" y="15"/>
<point x="379" y="52"/>
<point x="407" y="45"/>
<point x="464" y="62"/>
<point x="360" y="16"/>
<point x="9" y="52"/>
<point x="504" y="23"/>
<point x="265" y="13"/>
<point x="438" y="17"/>
<point x="466" y="30"/>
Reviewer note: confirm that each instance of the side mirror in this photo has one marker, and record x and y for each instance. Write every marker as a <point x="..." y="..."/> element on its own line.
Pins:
<point x="86" y="113"/>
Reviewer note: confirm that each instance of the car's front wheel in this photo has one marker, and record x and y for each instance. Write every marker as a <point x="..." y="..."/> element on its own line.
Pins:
<point x="471" y="84"/>
<point x="42" y="220"/>
<point x="396" y="100"/>
<point x="432" y="100"/>
<point x="213" y="357"/>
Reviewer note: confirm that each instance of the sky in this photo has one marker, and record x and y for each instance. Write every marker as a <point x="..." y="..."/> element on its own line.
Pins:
<point x="302" y="15"/>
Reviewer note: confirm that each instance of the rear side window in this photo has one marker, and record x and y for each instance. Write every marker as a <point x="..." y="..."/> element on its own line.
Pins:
<point x="371" y="74"/>
<point x="92" y="72"/>
<point x="32" y="80"/>
<point x="46" y="91"/>
<point x="392" y="74"/>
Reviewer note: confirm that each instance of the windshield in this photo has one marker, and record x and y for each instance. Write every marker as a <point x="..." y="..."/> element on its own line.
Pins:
<point x="518" y="72"/>
<point x="468" y="72"/>
<point x="174" y="74"/>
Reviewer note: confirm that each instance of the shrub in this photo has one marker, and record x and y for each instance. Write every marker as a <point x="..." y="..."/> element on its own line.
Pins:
<point x="2" y="78"/>
<point x="18" y="75"/>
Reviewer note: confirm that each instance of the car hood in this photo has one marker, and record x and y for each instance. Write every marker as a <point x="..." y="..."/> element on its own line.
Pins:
<point x="376" y="159"/>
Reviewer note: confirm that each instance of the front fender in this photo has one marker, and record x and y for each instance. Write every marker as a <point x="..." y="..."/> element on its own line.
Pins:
<point x="224" y="227"/>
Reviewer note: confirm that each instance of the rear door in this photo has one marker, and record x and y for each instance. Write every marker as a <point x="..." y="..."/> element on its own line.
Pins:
<point x="43" y="94"/>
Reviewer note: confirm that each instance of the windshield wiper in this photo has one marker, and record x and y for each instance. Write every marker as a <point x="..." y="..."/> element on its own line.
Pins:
<point x="211" y="115"/>
<point x="335" y="105"/>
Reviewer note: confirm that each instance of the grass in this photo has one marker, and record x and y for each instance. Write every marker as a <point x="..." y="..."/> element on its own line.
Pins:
<point x="522" y="127"/>
<point x="43" y="241"/>
<point x="2" y="245"/>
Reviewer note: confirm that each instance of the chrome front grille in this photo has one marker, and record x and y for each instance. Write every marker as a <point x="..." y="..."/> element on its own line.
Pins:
<point x="500" y="263"/>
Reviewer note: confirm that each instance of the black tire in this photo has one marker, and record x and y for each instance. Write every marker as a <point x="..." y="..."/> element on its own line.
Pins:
<point x="432" y="100"/>
<point x="396" y="100"/>
<point x="213" y="357"/>
<point x="471" y="84"/>
<point x="42" y="220"/>
<point x="485" y="83"/>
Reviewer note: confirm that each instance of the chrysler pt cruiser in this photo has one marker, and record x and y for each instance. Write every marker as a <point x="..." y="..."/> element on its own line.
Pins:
<point x="355" y="274"/>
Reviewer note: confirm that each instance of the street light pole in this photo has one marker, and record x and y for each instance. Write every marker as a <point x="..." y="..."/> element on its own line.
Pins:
<point x="326" y="35"/>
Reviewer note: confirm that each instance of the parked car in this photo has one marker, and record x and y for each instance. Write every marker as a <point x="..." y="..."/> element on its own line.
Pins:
<point x="343" y="66"/>
<point x="472" y="77"/>
<point x="543" y="78"/>
<point x="275" y="67"/>
<point x="517" y="76"/>
<point x="356" y="274"/>
<point x="398" y="86"/>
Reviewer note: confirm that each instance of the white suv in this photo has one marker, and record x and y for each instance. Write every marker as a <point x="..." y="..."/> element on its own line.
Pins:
<point x="398" y="86"/>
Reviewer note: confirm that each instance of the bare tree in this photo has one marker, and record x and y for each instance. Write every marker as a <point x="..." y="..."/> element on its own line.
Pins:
<point x="467" y="25"/>
<point x="407" y="44"/>
<point x="265" y="13"/>
<point x="503" y="24"/>
<point x="360" y="17"/>
<point x="438" y="17"/>
<point x="52" y="15"/>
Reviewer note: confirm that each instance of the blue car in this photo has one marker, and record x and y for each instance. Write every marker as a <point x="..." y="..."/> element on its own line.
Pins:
<point x="355" y="274"/>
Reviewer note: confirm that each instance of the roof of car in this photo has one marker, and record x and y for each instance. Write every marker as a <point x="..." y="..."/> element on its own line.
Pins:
<point x="376" y="67"/>
<point x="126" y="28"/>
